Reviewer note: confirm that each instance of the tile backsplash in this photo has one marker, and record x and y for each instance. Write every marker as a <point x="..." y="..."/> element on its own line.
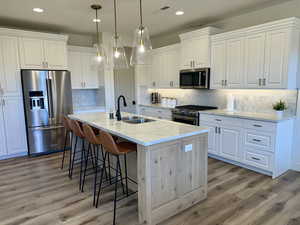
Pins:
<point x="259" y="101"/>
<point x="88" y="97"/>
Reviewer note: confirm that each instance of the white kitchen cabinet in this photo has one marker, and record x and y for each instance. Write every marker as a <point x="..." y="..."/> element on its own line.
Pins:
<point x="55" y="54"/>
<point x="254" y="60"/>
<point x="258" y="145"/>
<point x="263" y="57"/>
<point x="276" y="51"/>
<point x="230" y="139"/>
<point x="212" y="137"/>
<point x="3" y="149"/>
<point x="84" y="70"/>
<point x="234" y="63"/>
<point x="218" y="65"/>
<point x="165" y="67"/>
<point x="143" y="76"/>
<point x="14" y="125"/>
<point x="195" y="48"/>
<point x="38" y="53"/>
<point x="10" y="78"/>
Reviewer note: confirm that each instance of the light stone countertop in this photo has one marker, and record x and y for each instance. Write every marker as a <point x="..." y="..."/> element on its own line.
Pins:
<point x="145" y="134"/>
<point x="160" y="106"/>
<point x="268" y="117"/>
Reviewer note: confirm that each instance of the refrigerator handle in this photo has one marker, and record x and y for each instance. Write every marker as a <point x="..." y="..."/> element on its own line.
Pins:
<point x="50" y="98"/>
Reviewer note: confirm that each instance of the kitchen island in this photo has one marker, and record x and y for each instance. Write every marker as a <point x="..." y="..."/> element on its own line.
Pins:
<point x="171" y="163"/>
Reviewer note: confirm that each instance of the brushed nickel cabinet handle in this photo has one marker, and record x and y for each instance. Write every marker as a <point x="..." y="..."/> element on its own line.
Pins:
<point x="257" y="159"/>
<point x="256" y="140"/>
<point x="256" y="125"/>
<point x="259" y="81"/>
<point x="218" y="120"/>
<point x="225" y="82"/>
<point x="216" y="130"/>
<point x="264" y="82"/>
<point x="219" y="130"/>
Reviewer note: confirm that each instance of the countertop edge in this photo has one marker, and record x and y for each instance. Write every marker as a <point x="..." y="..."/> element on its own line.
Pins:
<point x="248" y="117"/>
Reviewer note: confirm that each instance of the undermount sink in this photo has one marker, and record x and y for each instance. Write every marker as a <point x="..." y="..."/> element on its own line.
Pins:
<point x="136" y="119"/>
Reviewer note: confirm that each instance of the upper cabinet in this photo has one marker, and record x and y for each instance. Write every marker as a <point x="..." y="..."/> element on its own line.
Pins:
<point x="165" y="67"/>
<point x="162" y="70"/>
<point x="10" y="83"/>
<point x="38" y="53"/>
<point x="195" y="48"/>
<point x="84" y="70"/>
<point x="264" y="56"/>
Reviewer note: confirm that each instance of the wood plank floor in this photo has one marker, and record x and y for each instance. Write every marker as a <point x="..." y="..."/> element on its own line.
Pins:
<point x="34" y="191"/>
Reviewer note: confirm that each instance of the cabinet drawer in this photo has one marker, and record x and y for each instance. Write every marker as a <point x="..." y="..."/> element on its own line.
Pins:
<point x="259" y="125"/>
<point x="158" y="113"/>
<point x="221" y="120"/>
<point x="259" y="140"/>
<point x="257" y="159"/>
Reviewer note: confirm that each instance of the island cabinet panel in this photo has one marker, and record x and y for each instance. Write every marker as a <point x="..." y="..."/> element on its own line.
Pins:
<point x="172" y="176"/>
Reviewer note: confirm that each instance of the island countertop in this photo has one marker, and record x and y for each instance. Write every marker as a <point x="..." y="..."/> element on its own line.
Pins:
<point x="145" y="134"/>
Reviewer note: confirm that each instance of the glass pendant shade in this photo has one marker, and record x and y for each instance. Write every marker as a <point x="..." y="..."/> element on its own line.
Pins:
<point x="119" y="58"/>
<point x="141" y="43"/>
<point x="100" y="57"/>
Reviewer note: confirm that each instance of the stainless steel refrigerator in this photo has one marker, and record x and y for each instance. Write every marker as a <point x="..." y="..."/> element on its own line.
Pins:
<point x="47" y="97"/>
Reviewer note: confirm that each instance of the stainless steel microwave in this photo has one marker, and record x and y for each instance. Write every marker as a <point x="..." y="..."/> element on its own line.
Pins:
<point x="195" y="78"/>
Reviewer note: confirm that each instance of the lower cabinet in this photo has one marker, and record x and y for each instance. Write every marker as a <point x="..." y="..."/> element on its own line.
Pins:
<point x="159" y="113"/>
<point x="12" y="127"/>
<point x="262" y="146"/>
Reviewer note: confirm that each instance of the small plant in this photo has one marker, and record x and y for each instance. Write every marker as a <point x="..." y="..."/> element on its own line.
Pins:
<point x="280" y="106"/>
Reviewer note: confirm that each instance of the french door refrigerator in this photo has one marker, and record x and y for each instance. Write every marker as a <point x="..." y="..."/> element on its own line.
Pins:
<point x="47" y="98"/>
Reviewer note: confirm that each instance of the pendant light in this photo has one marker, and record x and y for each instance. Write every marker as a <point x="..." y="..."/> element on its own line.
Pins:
<point x="118" y="51"/>
<point x="141" y="43"/>
<point x="100" y="57"/>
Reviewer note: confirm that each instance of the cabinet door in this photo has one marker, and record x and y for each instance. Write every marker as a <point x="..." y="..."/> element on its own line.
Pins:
<point x="201" y="52"/>
<point x="143" y="75"/>
<point x="14" y="125"/>
<point x="218" y="64"/>
<point x="254" y="60"/>
<point x="230" y="142"/>
<point x="55" y="55"/>
<point x="186" y="54"/>
<point x="90" y="75"/>
<point x="157" y="71"/>
<point x="172" y="67"/>
<point x="10" y="71"/>
<point x="212" y="137"/>
<point x="276" y="59"/>
<point x="234" y="63"/>
<point x="32" y="53"/>
<point x="3" y="148"/>
<point x="74" y="64"/>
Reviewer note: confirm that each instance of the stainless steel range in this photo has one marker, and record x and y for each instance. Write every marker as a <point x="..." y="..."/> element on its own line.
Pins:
<point x="189" y="113"/>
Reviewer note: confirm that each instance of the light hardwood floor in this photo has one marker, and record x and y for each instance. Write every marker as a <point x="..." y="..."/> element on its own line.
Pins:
<point x="34" y="191"/>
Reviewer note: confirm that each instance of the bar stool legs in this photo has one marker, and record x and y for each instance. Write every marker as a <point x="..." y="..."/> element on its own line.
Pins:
<point x="65" y="147"/>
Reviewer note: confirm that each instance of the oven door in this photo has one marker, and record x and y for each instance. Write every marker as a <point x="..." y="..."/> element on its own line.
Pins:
<point x="186" y="119"/>
<point x="187" y="78"/>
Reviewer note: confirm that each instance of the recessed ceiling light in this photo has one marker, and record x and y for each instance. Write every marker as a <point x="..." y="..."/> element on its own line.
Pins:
<point x="179" y="13"/>
<point x="38" y="10"/>
<point x="96" y="20"/>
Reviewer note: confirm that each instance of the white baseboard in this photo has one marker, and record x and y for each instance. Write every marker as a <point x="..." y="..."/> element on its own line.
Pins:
<point x="13" y="155"/>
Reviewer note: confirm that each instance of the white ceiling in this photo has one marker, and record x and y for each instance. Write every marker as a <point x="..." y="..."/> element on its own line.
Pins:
<point x="75" y="16"/>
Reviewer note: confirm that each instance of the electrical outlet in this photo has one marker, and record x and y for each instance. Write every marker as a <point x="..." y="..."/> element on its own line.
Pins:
<point x="188" y="148"/>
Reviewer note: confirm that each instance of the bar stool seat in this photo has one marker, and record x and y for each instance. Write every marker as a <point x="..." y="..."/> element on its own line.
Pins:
<point x="126" y="147"/>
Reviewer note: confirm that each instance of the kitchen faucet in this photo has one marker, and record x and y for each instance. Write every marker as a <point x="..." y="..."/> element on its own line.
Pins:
<point x="118" y="113"/>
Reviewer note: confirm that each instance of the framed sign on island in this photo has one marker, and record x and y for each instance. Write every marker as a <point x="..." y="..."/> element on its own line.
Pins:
<point x="170" y="167"/>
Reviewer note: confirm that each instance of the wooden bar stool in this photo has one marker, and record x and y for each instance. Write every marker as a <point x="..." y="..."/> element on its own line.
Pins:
<point x="66" y="124"/>
<point x="116" y="150"/>
<point x="93" y="153"/>
<point x="78" y="132"/>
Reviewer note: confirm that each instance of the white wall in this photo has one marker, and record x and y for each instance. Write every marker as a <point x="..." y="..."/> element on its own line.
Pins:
<point x="259" y="16"/>
<point x="296" y="144"/>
